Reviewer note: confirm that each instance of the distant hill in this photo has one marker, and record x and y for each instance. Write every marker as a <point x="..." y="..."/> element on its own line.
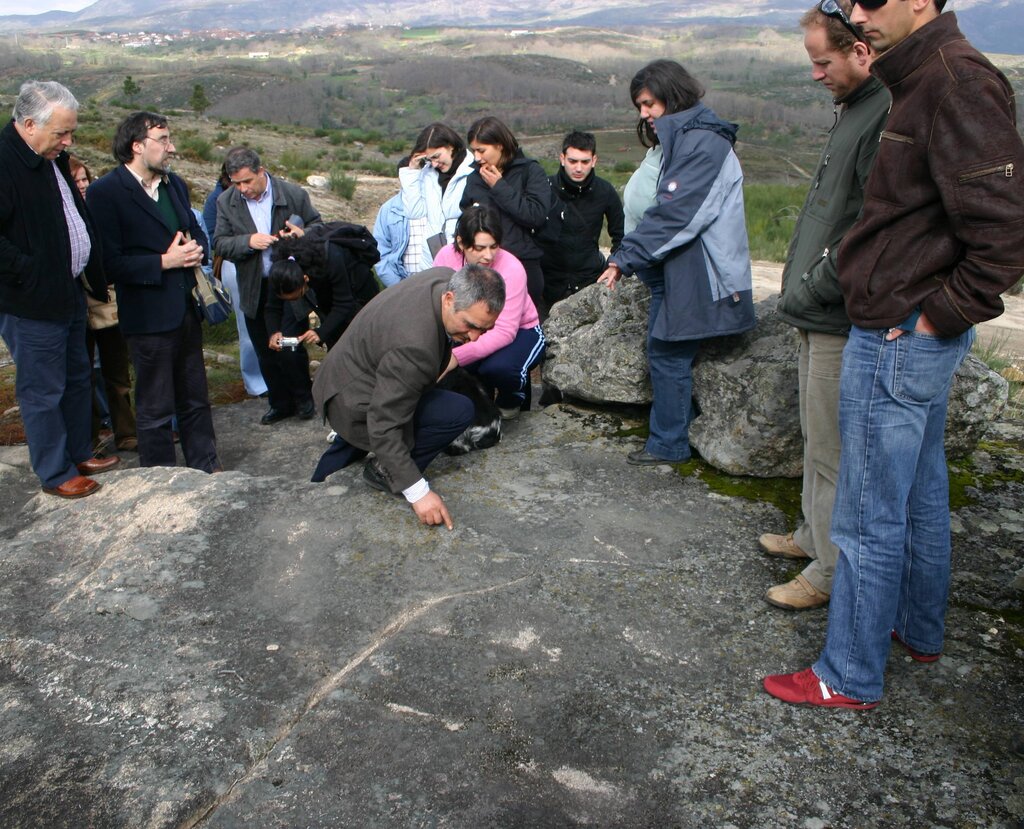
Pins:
<point x="992" y="25"/>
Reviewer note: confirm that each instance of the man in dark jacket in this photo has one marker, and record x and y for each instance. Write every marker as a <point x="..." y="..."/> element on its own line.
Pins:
<point x="378" y="385"/>
<point x="572" y="256"/>
<point x="49" y="257"/>
<point x="251" y="216"/>
<point x="940" y="237"/>
<point x="811" y="299"/>
<point x="152" y="243"/>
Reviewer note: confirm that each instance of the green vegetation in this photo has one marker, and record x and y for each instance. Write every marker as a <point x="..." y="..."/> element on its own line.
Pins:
<point x="772" y="210"/>
<point x="342" y="184"/>
<point x="199" y="102"/>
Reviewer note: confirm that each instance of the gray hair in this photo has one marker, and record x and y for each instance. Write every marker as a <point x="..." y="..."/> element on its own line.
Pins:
<point x="37" y="99"/>
<point x="477" y="283"/>
<point x="238" y="158"/>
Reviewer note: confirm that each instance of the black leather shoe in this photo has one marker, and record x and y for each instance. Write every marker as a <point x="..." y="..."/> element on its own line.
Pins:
<point x="273" y="416"/>
<point x="375" y="476"/>
<point x="306" y="411"/>
<point x="641" y="457"/>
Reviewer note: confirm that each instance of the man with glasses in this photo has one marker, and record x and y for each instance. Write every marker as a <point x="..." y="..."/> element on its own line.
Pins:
<point x="941" y="235"/>
<point x="151" y="245"/>
<point x="811" y="300"/>
<point x="49" y="258"/>
<point x="251" y="216"/>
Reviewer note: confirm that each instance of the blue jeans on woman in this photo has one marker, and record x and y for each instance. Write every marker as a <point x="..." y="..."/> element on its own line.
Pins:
<point x="671" y="364"/>
<point x="891" y="515"/>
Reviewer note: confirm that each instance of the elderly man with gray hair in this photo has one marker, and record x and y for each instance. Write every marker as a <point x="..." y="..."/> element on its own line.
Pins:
<point x="49" y="258"/>
<point x="377" y="386"/>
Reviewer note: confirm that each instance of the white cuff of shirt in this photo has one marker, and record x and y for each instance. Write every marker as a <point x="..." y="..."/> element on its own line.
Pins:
<point x="416" y="491"/>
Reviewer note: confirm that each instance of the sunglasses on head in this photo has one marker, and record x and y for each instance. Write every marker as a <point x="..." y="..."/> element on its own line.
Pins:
<point x="831" y="8"/>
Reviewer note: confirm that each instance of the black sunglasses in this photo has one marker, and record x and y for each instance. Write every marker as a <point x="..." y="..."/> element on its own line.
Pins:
<point x="870" y="5"/>
<point x="831" y="8"/>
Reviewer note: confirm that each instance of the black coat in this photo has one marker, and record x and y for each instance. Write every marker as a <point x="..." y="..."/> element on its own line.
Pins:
<point x="150" y="300"/>
<point x="523" y="199"/>
<point x="584" y="208"/>
<point x="35" y="248"/>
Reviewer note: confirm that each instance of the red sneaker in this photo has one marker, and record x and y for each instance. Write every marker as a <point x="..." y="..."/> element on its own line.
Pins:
<point x="917" y="656"/>
<point x="804" y="688"/>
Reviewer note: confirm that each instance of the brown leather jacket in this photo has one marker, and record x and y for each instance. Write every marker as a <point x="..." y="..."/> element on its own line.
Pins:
<point x="943" y="223"/>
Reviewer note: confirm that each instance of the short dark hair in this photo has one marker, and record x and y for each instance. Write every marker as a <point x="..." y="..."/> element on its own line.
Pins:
<point x="240" y="158"/>
<point x="132" y="129"/>
<point x="478" y="218"/>
<point x="584" y="141"/>
<point x="476" y="283"/>
<point x="439" y="135"/>
<point x="491" y="130"/>
<point x="286" y="277"/>
<point x="671" y="85"/>
<point x="839" y="38"/>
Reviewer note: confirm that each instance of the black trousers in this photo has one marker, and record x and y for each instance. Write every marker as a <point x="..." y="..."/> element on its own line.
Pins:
<point x="285" y="372"/>
<point x="170" y="379"/>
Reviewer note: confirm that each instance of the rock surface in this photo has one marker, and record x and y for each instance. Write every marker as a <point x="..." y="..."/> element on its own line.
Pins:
<point x="584" y="649"/>
<point x="745" y="386"/>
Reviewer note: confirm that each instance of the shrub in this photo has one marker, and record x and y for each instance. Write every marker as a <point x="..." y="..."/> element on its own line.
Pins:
<point x="194" y="147"/>
<point x="342" y="184"/>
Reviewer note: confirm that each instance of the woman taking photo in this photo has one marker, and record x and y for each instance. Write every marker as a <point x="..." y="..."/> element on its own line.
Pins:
<point x="432" y="188"/>
<point x="517" y="187"/>
<point x="502" y="357"/>
<point x="686" y="239"/>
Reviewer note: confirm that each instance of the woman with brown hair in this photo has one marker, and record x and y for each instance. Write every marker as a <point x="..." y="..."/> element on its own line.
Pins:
<point x="517" y="188"/>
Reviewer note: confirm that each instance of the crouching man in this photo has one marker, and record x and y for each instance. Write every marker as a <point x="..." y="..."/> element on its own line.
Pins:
<point x="377" y="386"/>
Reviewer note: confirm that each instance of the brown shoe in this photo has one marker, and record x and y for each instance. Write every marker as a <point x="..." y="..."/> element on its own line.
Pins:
<point x="781" y="545"/>
<point x="96" y="465"/>
<point x="798" y="594"/>
<point x="129" y="444"/>
<point x="77" y="487"/>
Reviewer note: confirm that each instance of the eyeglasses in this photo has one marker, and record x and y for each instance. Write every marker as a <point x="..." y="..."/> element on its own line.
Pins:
<point x="831" y="8"/>
<point x="165" y="140"/>
<point x="870" y="5"/>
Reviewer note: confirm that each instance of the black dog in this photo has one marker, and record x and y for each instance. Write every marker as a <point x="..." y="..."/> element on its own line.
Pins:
<point x="486" y="429"/>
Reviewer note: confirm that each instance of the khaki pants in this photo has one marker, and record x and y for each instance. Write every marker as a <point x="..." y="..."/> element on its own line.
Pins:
<point x="821" y="357"/>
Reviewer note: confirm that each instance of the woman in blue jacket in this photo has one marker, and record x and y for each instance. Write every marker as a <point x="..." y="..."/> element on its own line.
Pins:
<point x="686" y="239"/>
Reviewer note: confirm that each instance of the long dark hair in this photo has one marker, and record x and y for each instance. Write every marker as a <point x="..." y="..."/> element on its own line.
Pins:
<point x="478" y="218"/>
<point x="670" y="84"/>
<point x="440" y="135"/>
<point x="309" y="255"/>
<point x="491" y="130"/>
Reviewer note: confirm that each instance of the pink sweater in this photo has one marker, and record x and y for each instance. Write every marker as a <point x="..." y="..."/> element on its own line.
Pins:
<point x="519" y="311"/>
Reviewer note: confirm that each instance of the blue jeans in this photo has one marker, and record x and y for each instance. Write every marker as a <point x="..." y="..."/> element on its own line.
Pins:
<point x="671" y="363"/>
<point x="53" y="384"/>
<point x="891" y="515"/>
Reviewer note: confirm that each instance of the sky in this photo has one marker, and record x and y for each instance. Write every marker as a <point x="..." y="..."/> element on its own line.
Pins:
<point x="40" y="6"/>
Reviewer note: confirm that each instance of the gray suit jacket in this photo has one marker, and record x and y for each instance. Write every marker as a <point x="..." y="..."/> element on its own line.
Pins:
<point x="371" y="382"/>
<point x="235" y="226"/>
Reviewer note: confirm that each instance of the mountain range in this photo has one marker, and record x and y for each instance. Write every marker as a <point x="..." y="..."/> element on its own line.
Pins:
<point x="992" y="25"/>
